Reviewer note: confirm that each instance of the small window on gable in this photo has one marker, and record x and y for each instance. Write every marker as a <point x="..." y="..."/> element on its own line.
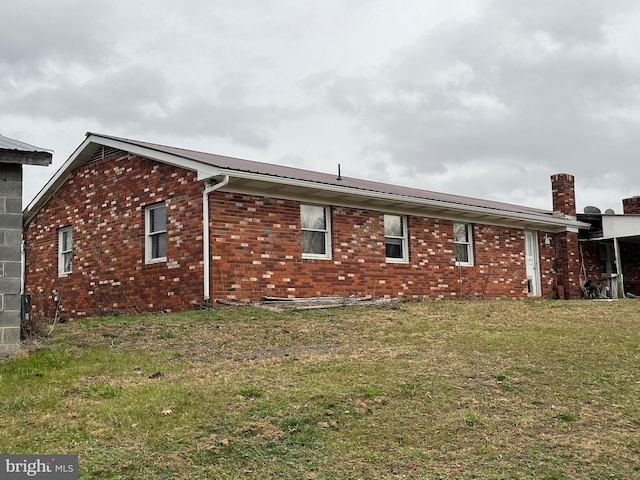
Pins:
<point x="156" y="233"/>
<point x="65" y="251"/>
<point x="316" y="231"/>
<point x="395" y="238"/>
<point x="464" y="244"/>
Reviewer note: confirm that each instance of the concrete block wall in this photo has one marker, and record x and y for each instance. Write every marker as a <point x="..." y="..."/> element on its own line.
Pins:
<point x="10" y="256"/>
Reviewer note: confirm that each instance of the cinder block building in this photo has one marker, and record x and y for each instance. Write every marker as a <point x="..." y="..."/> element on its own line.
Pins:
<point x="130" y="226"/>
<point x="13" y="155"/>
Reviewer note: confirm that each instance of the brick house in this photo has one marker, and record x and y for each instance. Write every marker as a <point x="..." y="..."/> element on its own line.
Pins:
<point x="129" y="226"/>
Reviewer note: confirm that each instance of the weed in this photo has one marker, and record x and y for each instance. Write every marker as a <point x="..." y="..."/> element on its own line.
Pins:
<point x="471" y="420"/>
<point x="100" y="390"/>
<point x="566" y="417"/>
<point x="251" y="392"/>
<point x="417" y="392"/>
<point x="371" y="392"/>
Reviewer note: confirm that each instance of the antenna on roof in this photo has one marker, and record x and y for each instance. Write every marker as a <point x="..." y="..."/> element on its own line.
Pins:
<point x="590" y="209"/>
<point x="339" y="176"/>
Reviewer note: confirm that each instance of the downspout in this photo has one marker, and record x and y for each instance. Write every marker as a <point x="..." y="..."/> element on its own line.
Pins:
<point x="209" y="187"/>
<point x="23" y="259"/>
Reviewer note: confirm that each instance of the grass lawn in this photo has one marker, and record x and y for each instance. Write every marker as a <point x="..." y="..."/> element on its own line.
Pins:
<point x="432" y="390"/>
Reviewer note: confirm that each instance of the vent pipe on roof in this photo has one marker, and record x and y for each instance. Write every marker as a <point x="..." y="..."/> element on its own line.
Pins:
<point x="206" y="235"/>
<point x="339" y="176"/>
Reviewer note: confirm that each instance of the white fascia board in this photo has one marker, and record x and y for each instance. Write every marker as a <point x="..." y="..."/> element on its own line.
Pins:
<point x="620" y="226"/>
<point x="552" y="222"/>
<point x="203" y="170"/>
<point x="54" y="183"/>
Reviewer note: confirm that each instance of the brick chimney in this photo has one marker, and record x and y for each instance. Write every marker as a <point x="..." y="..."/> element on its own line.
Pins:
<point x="566" y="250"/>
<point x="631" y="205"/>
<point x="563" y="192"/>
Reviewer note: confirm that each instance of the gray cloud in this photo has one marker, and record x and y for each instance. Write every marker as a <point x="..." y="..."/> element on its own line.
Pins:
<point x="35" y="37"/>
<point x="519" y="85"/>
<point x="478" y="97"/>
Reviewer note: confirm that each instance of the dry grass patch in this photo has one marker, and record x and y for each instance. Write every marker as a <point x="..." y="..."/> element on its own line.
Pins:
<point x="491" y="389"/>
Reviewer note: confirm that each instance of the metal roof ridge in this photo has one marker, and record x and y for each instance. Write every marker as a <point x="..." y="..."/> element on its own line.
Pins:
<point x="326" y="178"/>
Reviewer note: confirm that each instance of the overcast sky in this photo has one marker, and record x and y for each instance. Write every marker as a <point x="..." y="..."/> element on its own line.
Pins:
<point x="479" y="98"/>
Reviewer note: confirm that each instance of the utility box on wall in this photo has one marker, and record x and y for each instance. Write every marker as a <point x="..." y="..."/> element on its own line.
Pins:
<point x="25" y="313"/>
<point x="13" y="154"/>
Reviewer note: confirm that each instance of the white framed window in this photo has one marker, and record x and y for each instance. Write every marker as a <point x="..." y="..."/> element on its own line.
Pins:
<point x="395" y="238"/>
<point x="316" y="231"/>
<point x="156" y="233"/>
<point x="65" y="251"/>
<point x="463" y="241"/>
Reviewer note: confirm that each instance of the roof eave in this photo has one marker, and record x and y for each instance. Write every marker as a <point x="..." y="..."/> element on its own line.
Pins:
<point x="447" y="210"/>
<point x="24" y="157"/>
<point x="80" y="155"/>
<point x="395" y="202"/>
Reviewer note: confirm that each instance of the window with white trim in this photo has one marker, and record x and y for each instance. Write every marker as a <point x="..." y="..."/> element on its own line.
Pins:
<point x="65" y="251"/>
<point x="316" y="231"/>
<point x="463" y="241"/>
<point x="156" y="233"/>
<point x="395" y="238"/>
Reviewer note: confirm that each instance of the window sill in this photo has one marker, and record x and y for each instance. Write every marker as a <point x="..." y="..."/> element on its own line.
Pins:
<point x="315" y="257"/>
<point x="397" y="260"/>
<point x="464" y="264"/>
<point x="156" y="261"/>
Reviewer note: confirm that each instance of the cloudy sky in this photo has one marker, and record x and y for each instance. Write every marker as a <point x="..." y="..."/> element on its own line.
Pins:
<point x="485" y="98"/>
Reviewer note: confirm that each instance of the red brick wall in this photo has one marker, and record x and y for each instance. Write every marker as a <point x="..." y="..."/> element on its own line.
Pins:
<point x="104" y="203"/>
<point x="568" y="255"/>
<point x="563" y="193"/>
<point x="631" y="205"/>
<point x="256" y="251"/>
<point x="591" y="261"/>
<point x="630" y="259"/>
<point x="566" y="243"/>
<point x="255" y="248"/>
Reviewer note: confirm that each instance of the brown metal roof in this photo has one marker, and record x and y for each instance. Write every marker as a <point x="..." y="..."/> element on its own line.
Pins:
<point x="249" y="166"/>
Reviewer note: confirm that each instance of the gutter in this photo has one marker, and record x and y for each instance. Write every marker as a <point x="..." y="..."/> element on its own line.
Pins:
<point x="209" y="187"/>
<point x="554" y="223"/>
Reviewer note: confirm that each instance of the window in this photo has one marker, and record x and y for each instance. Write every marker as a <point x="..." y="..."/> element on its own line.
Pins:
<point x="156" y="233"/>
<point x="395" y="238"/>
<point x="316" y="241"/>
<point x="463" y="242"/>
<point x="65" y="251"/>
<point x="607" y="260"/>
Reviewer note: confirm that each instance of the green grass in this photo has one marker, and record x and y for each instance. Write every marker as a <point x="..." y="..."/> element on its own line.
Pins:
<point x="434" y="390"/>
